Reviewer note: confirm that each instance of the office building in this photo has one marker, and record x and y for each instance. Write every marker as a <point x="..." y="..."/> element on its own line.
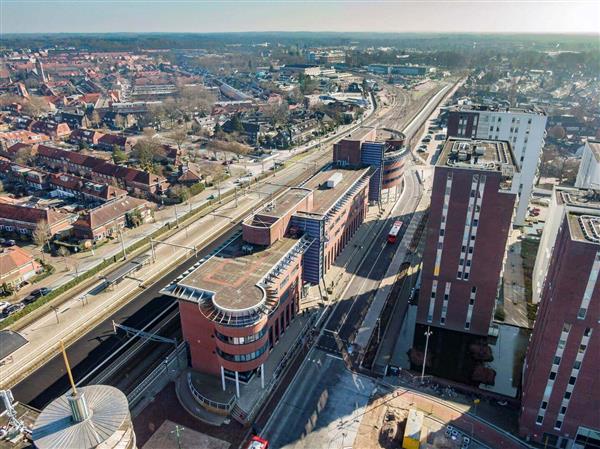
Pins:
<point x="524" y="129"/>
<point x="561" y="386"/>
<point x="236" y="305"/>
<point x="387" y="158"/>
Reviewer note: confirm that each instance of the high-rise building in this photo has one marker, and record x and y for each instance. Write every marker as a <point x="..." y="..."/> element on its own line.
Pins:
<point x="471" y="213"/>
<point x="563" y="199"/>
<point x="524" y="129"/>
<point x="588" y="175"/>
<point x="472" y="205"/>
<point x="561" y="385"/>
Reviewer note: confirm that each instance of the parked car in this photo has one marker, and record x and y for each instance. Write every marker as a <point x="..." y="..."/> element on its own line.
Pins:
<point x="3" y="305"/>
<point x="9" y="243"/>
<point x="29" y="299"/>
<point x="13" y="308"/>
<point x="43" y="291"/>
<point x="211" y="197"/>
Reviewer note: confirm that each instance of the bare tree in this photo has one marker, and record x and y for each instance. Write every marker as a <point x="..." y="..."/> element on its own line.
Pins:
<point x="120" y="121"/>
<point x="41" y="236"/>
<point x="36" y="106"/>
<point x="147" y="151"/>
<point x="95" y="119"/>
<point x="179" y="136"/>
<point x="64" y="252"/>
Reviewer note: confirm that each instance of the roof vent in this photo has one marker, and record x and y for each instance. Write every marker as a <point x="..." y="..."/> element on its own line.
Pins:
<point x="334" y="180"/>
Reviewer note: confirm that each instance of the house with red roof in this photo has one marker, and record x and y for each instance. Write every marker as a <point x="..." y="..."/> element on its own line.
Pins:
<point x="17" y="266"/>
<point x="24" y="219"/>
<point x="105" y="221"/>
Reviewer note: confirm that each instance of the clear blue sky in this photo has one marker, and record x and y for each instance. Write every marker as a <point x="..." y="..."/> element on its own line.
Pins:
<point x="535" y="16"/>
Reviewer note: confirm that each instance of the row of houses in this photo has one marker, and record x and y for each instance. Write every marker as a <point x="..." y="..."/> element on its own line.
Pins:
<point x="62" y="185"/>
<point x="104" y="221"/>
<point x="137" y="182"/>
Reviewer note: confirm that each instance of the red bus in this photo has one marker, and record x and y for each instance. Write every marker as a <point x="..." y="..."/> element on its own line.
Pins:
<point x="257" y="443"/>
<point x="392" y="236"/>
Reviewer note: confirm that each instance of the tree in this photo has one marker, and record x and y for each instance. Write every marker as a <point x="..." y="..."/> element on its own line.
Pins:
<point x="558" y="132"/>
<point x="24" y="156"/>
<point x="147" y="151"/>
<point x="64" y="253"/>
<point x="119" y="121"/>
<point x="95" y="119"/>
<point x="35" y="106"/>
<point x="278" y="113"/>
<point x="118" y="156"/>
<point x="41" y="235"/>
<point x="179" y="136"/>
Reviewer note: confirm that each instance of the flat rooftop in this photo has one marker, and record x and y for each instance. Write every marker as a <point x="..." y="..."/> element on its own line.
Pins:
<point x="360" y="133"/>
<point x="323" y="197"/>
<point x="234" y="272"/>
<point x="574" y="197"/>
<point x="531" y="109"/>
<point x="490" y="155"/>
<point x="584" y="227"/>
<point x="281" y="205"/>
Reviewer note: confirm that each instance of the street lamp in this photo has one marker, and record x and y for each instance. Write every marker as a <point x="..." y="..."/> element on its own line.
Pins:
<point x="427" y="335"/>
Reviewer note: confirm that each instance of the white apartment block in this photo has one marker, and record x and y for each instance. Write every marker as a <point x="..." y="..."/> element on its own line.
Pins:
<point x="523" y="128"/>
<point x="563" y="199"/>
<point x="588" y="176"/>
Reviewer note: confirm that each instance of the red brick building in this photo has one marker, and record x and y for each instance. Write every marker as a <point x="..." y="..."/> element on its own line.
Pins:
<point x="17" y="266"/>
<point x="472" y="203"/>
<point x="106" y="220"/>
<point x="561" y="383"/>
<point x="24" y="220"/>
<point x="136" y="181"/>
<point x="236" y="305"/>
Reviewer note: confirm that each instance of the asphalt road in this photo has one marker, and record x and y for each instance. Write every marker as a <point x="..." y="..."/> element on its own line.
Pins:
<point x="353" y="305"/>
<point x="323" y="409"/>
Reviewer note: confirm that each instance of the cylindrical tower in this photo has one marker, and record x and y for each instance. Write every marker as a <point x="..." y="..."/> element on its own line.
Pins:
<point x="96" y="416"/>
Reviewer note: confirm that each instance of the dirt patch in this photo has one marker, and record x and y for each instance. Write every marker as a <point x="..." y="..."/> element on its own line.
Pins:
<point x="382" y="426"/>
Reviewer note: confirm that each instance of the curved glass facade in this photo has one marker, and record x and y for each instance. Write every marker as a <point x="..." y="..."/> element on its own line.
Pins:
<point x="241" y="340"/>
<point x="243" y="357"/>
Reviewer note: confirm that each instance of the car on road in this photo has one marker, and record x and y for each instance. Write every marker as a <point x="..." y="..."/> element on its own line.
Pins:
<point x="211" y="197"/>
<point x="43" y="291"/>
<point x="13" y="308"/>
<point x="3" y="305"/>
<point x="9" y="243"/>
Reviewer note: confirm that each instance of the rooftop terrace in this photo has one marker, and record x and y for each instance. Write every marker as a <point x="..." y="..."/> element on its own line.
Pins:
<point x="324" y="198"/>
<point x="490" y="155"/>
<point x="574" y="197"/>
<point x="232" y="276"/>
<point x="584" y="227"/>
